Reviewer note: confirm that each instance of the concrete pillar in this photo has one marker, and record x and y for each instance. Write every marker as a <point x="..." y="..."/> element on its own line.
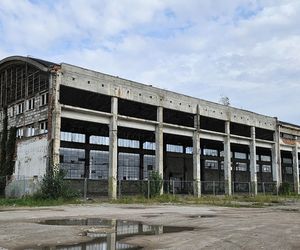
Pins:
<point x="196" y="156"/>
<point x="55" y="117"/>
<point x="253" y="172"/>
<point x="159" y="146"/>
<point x="296" y="168"/>
<point x="227" y="160"/>
<point x="276" y="161"/>
<point x="113" y="150"/>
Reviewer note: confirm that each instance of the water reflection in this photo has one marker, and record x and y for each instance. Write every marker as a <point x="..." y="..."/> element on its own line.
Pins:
<point x="106" y="234"/>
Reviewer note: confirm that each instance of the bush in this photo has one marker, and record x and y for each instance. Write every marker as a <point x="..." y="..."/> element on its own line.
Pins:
<point x="285" y="188"/>
<point x="54" y="186"/>
<point x="155" y="183"/>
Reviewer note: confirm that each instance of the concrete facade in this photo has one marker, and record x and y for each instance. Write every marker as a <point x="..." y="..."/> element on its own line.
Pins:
<point x="91" y="115"/>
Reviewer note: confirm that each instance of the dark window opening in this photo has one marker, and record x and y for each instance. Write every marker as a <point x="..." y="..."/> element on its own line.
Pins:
<point x="239" y="129"/>
<point x="178" y="118"/>
<point x="264" y="134"/>
<point x="212" y="124"/>
<point x="84" y="99"/>
<point x="137" y="109"/>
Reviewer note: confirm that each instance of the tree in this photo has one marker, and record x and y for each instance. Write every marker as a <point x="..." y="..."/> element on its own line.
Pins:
<point x="224" y="100"/>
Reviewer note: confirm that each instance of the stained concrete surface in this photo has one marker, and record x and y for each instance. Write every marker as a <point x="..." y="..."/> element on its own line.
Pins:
<point x="276" y="227"/>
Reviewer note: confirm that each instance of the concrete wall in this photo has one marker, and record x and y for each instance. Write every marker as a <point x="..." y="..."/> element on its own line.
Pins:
<point x="32" y="156"/>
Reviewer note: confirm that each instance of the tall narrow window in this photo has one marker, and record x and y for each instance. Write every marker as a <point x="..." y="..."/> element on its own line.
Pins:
<point x="44" y="99"/>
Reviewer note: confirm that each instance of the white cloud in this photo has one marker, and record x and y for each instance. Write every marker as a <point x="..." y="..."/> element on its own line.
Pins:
<point x="245" y="49"/>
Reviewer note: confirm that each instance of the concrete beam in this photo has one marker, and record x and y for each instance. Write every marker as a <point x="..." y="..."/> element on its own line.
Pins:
<point x="253" y="172"/>
<point x="210" y="135"/>
<point x="82" y="114"/>
<point x="176" y="130"/>
<point x="113" y="150"/>
<point x="129" y="122"/>
<point x="236" y="140"/>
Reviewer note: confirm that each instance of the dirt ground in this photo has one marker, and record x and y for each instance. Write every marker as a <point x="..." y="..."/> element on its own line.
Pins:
<point x="276" y="227"/>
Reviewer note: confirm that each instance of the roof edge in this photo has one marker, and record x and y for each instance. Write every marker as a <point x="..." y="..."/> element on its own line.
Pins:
<point x="42" y="65"/>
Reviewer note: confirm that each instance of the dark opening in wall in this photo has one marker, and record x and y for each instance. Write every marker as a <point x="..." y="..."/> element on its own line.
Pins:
<point x="178" y="140"/>
<point x="84" y="99"/>
<point x="240" y="129"/>
<point x="135" y="134"/>
<point x="264" y="134"/>
<point x="137" y="109"/>
<point x="212" y="124"/>
<point x="178" y="118"/>
<point x="83" y="127"/>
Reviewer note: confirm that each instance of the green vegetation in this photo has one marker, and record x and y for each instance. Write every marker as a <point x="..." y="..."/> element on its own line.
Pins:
<point x="54" y="186"/>
<point x="227" y="201"/>
<point x="154" y="185"/>
<point x="286" y="189"/>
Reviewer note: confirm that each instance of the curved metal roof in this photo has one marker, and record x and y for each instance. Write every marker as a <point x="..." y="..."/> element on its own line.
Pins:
<point x="41" y="64"/>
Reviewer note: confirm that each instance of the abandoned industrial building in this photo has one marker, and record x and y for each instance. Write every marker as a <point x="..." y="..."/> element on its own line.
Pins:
<point x="106" y="129"/>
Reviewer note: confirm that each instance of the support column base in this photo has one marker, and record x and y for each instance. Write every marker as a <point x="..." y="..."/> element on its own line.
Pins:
<point x="112" y="188"/>
<point x="197" y="188"/>
<point x="228" y="188"/>
<point x="253" y="187"/>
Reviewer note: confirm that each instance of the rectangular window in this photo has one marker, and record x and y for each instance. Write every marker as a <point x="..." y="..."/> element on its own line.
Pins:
<point x="30" y="104"/>
<point x="241" y="166"/>
<point x="72" y="137"/>
<point x="43" y="127"/>
<point x="20" y="108"/>
<point x="239" y="155"/>
<point x="265" y="158"/>
<point x="287" y="160"/>
<point x="266" y="168"/>
<point x="30" y="131"/>
<point x="44" y="99"/>
<point x="99" y="140"/>
<point x="211" y="164"/>
<point x="20" y="132"/>
<point x="128" y="143"/>
<point x="174" y="148"/>
<point x="210" y="152"/>
<point x="10" y="111"/>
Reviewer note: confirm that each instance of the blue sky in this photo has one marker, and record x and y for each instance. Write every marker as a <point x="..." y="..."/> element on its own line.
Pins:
<point x="247" y="50"/>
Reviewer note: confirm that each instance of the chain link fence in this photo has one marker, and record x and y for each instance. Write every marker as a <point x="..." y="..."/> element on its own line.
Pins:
<point x="18" y="186"/>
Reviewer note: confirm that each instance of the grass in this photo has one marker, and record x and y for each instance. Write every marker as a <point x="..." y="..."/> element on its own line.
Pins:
<point x="227" y="201"/>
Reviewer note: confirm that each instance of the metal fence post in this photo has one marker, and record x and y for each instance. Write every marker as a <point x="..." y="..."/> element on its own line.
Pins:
<point x="148" y="189"/>
<point x="84" y="188"/>
<point x="173" y="187"/>
<point x="263" y="188"/>
<point x="214" y="188"/>
<point x="119" y="187"/>
<point x="249" y="188"/>
<point x="232" y="191"/>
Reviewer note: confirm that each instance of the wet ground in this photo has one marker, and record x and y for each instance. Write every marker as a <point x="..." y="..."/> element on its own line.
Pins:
<point x="109" y="226"/>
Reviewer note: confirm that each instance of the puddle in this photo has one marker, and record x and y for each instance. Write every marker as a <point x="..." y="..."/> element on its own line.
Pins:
<point x="106" y="234"/>
<point x="202" y="216"/>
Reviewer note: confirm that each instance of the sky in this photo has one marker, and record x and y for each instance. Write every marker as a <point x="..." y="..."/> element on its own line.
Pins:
<point x="246" y="50"/>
